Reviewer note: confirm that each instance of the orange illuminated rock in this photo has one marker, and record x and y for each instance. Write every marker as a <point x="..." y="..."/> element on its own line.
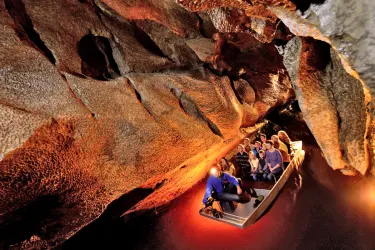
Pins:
<point x="168" y="13"/>
<point x="101" y="97"/>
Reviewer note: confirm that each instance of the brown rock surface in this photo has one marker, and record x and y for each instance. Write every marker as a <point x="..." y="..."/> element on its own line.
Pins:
<point x="241" y="55"/>
<point x="98" y="98"/>
<point x="16" y="126"/>
<point x="61" y="26"/>
<point x="332" y="102"/>
<point x="133" y="50"/>
<point x="29" y="82"/>
<point x="168" y="13"/>
<point x="348" y="28"/>
<point x="170" y="44"/>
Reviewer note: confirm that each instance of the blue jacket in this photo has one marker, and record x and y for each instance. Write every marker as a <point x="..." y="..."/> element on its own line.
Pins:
<point x="217" y="184"/>
<point x="256" y="152"/>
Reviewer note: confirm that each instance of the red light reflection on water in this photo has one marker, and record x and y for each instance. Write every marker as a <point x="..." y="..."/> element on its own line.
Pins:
<point x="189" y="230"/>
<point x="325" y="210"/>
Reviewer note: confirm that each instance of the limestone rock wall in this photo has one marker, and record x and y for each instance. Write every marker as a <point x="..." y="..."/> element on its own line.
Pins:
<point x="332" y="102"/>
<point x="348" y="26"/>
<point x="98" y="98"/>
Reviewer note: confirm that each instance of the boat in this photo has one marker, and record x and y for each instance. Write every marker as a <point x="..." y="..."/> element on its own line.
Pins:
<point x="246" y="214"/>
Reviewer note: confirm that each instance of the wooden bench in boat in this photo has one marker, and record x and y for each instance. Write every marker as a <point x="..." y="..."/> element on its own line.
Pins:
<point x="245" y="214"/>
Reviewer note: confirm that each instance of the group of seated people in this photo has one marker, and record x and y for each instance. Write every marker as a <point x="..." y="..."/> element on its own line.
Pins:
<point x="260" y="161"/>
<point x="263" y="160"/>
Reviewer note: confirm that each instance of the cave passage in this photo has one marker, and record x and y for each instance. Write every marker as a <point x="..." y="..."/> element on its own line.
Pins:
<point x="315" y="204"/>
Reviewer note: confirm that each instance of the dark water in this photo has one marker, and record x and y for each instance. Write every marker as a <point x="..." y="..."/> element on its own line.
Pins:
<point x="318" y="208"/>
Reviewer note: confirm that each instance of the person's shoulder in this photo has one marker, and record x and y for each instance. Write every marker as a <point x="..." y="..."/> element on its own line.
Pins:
<point x="227" y="175"/>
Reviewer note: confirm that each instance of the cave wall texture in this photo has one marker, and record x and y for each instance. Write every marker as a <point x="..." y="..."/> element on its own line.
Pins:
<point x="100" y="97"/>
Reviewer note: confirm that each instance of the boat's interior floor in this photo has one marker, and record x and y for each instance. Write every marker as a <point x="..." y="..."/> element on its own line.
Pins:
<point x="241" y="213"/>
<point x="247" y="184"/>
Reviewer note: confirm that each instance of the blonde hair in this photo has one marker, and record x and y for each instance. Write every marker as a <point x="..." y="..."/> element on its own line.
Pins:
<point x="275" y="136"/>
<point x="286" y="137"/>
<point x="251" y="153"/>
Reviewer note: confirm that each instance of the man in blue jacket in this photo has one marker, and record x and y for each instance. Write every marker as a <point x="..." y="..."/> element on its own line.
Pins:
<point x="216" y="183"/>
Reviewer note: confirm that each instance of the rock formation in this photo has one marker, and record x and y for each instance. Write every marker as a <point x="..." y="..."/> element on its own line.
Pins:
<point x="321" y="81"/>
<point x="95" y="103"/>
<point x="98" y="98"/>
<point x="349" y="28"/>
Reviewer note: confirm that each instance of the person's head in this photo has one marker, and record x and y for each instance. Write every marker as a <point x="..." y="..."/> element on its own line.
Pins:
<point x="269" y="144"/>
<point x="241" y="148"/>
<point x="283" y="136"/>
<point x="261" y="153"/>
<point x="257" y="144"/>
<point x="275" y="138"/>
<point x="246" y="142"/>
<point x="224" y="162"/>
<point x="215" y="170"/>
<point x="263" y="138"/>
<point x="252" y="155"/>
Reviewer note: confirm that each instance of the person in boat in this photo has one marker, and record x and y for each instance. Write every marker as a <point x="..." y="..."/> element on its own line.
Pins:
<point x="254" y="162"/>
<point x="227" y="167"/>
<point x="222" y="186"/>
<point x="257" y="147"/>
<point x="242" y="160"/>
<point x="283" y="136"/>
<point x="263" y="140"/>
<point x="274" y="161"/>
<point x="282" y="148"/>
<point x="247" y="145"/>
<point x="262" y="165"/>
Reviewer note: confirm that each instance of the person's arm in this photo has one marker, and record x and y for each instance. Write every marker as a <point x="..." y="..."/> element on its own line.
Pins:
<point x="264" y="168"/>
<point x="279" y="160"/>
<point x="208" y="192"/>
<point x="251" y="166"/>
<point x="231" y="179"/>
<point x="256" y="166"/>
<point x="268" y="164"/>
<point x="234" y="181"/>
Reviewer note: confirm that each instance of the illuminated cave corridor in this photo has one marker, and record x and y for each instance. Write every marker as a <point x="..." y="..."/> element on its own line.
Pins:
<point x="318" y="208"/>
<point x="114" y="111"/>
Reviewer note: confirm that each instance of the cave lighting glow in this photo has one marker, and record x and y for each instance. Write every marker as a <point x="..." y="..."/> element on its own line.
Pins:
<point x="213" y="171"/>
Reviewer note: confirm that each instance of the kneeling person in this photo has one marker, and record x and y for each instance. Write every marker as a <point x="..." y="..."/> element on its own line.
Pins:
<point x="224" y="186"/>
